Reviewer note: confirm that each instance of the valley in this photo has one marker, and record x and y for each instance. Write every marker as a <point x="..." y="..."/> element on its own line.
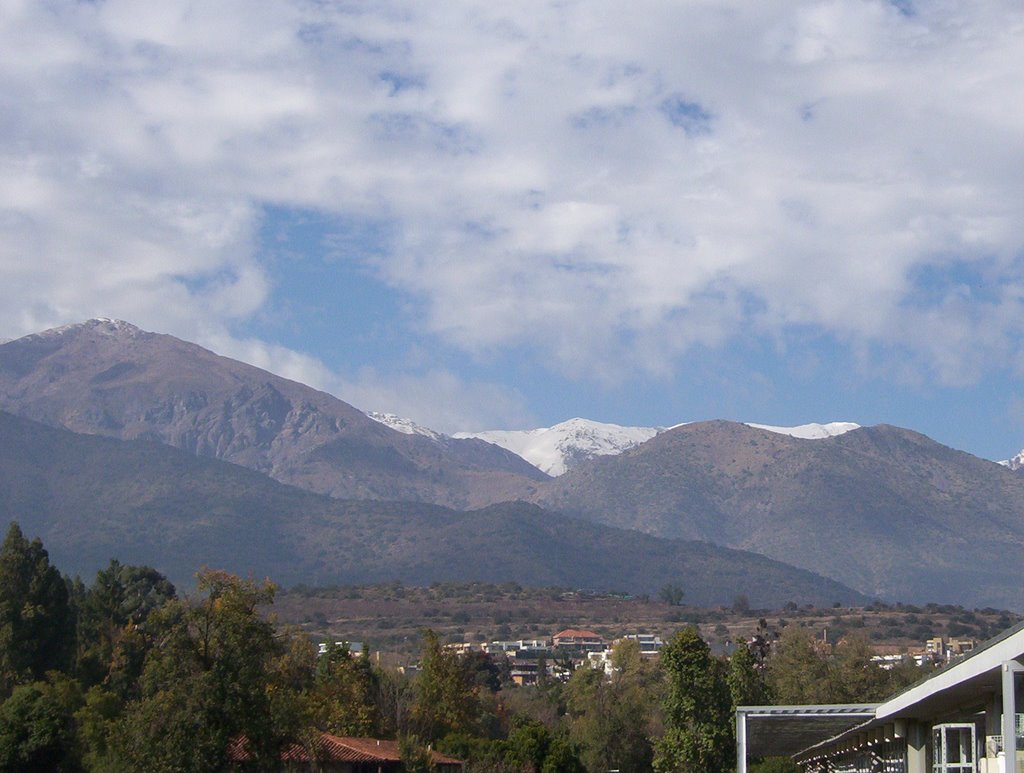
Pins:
<point x="389" y="617"/>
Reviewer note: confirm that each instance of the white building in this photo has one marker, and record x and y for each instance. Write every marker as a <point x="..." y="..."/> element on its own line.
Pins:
<point x="955" y="721"/>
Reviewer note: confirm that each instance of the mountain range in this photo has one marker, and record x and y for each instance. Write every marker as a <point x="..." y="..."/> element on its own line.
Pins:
<point x="93" y="498"/>
<point x="884" y="509"/>
<point x="881" y="509"/>
<point x="557" y="449"/>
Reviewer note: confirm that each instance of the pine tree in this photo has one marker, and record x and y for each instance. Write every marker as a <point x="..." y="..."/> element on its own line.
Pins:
<point x="746" y="685"/>
<point x="446" y="701"/>
<point x="112" y="633"/>
<point x="698" y="721"/>
<point x="36" y="619"/>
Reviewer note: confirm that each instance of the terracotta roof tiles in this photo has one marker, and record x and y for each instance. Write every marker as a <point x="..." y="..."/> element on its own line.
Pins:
<point x="333" y="748"/>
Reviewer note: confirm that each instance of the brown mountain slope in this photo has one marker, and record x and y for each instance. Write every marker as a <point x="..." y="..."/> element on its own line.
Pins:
<point x="91" y="499"/>
<point x="883" y="509"/>
<point x="110" y="378"/>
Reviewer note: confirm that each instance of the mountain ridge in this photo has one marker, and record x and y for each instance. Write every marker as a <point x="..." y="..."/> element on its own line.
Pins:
<point x="886" y="510"/>
<point x="110" y="378"/>
<point x="557" y="448"/>
<point x="91" y="498"/>
<point x="882" y="508"/>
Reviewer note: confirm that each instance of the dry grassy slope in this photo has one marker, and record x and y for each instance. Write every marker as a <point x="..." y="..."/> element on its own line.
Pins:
<point x="91" y="499"/>
<point x="880" y="508"/>
<point x="390" y="617"/>
<point x="115" y="380"/>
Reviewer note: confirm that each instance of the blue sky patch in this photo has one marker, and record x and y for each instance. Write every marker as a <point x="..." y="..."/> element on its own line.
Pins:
<point x="689" y="116"/>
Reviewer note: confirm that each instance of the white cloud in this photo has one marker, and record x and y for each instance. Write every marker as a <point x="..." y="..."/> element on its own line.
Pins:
<point x="606" y="184"/>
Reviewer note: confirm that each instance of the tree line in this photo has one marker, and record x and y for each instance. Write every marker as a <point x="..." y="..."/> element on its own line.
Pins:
<point x="125" y="675"/>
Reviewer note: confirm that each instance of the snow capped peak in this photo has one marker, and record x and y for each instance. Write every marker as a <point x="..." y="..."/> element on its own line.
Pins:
<point x="112" y="326"/>
<point x="810" y="431"/>
<point x="103" y="325"/>
<point x="1015" y="463"/>
<point x="561" y="447"/>
<point x="556" y="449"/>
<point x="403" y="425"/>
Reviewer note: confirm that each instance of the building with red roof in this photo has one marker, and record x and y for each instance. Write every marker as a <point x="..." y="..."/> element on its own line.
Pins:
<point x="337" y="754"/>
<point x="576" y="639"/>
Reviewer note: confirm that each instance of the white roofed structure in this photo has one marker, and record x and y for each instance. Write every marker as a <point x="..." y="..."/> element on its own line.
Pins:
<point x="954" y="721"/>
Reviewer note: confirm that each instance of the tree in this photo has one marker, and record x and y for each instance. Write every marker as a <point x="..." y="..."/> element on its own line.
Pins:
<point x="741" y="604"/>
<point x="36" y="619"/>
<point x="37" y="727"/>
<point x="561" y="758"/>
<point x="671" y="594"/>
<point x="97" y="724"/>
<point x="343" y="698"/>
<point x="446" y="700"/>
<point x="112" y="624"/>
<point x="797" y="672"/>
<point x="854" y="677"/>
<point x="208" y="679"/>
<point x="746" y="684"/>
<point x="395" y="703"/>
<point x="527" y="745"/>
<point x="698" y="734"/>
<point x="416" y="758"/>
<point x="611" y="719"/>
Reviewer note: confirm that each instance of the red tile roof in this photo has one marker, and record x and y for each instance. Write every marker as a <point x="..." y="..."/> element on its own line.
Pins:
<point x="333" y="748"/>
<point x="573" y="633"/>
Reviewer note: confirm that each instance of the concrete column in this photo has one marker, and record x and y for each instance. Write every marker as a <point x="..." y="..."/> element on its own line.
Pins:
<point x="1010" y="669"/>
<point x="741" y="742"/>
<point x="917" y="748"/>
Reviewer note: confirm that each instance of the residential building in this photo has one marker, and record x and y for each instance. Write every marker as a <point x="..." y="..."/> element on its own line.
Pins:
<point x="336" y="754"/>
<point x="601" y="660"/>
<point x="525" y="671"/>
<point x="649" y="643"/>
<point x="576" y="639"/>
<point x="354" y="647"/>
<point x="518" y="646"/>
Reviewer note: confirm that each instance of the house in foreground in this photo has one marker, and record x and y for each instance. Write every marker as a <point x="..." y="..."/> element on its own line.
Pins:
<point x="964" y="718"/>
<point x="337" y="754"/>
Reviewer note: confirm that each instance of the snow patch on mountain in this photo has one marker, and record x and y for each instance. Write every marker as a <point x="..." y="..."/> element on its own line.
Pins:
<point x="403" y="425"/>
<point x="1015" y="463"/>
<point x="561" y="447"/>
<point x="102" y="325"/>
<point x="810" y="431"/>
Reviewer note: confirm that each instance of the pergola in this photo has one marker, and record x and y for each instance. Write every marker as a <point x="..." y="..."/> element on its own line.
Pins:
<point x="980" y="690"/>
<point x="783" y="731"/>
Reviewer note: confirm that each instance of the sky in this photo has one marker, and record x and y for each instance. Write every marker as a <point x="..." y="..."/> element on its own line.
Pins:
<point x="485" y="215"/>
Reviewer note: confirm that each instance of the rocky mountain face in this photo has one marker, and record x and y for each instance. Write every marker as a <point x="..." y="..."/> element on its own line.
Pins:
<point x="883" y="509"/>
<point x="93" y="498"/>
<point x="111" y="378"/>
